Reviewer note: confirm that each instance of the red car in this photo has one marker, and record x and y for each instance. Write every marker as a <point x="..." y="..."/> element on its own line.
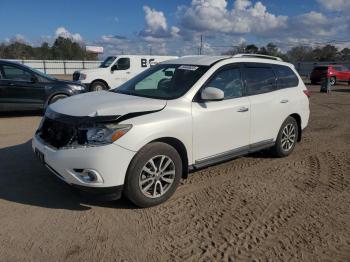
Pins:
<point x="336" y="73"/>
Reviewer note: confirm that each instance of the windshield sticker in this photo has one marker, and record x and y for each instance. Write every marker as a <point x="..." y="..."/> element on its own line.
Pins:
<point x="188" y="67"/>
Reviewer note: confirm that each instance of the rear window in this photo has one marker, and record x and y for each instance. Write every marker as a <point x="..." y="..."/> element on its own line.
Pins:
<point x="285" y="77"/>
<point x="259" y="79"/>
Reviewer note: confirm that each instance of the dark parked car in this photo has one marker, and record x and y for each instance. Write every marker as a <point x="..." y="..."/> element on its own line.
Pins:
<point x="336" y="73"/>
<point x="24" y="88"/>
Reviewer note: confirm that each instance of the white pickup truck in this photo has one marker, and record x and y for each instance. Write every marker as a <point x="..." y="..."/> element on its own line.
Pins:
<point x="115" y="70"/>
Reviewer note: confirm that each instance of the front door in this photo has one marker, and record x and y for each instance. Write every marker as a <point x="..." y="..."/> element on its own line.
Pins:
<point x="221" y="127"/>
<point x="19" y="88"/>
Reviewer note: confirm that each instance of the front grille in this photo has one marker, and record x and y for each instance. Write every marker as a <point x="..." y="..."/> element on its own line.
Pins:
<point x="57" y="134"/>
<point x="76" y="76"/>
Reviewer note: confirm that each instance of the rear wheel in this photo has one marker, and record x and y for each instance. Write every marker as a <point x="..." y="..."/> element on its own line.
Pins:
<point x="333" y="81"/>
<point x="153" y="175"/>
<point x="287" y="138"/>
<point x="98" y="86"/>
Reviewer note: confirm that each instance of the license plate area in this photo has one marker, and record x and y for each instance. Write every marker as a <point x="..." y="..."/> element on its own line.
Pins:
<point x="40" y="155"/>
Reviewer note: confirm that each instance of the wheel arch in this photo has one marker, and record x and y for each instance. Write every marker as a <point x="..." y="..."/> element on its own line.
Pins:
<point x="99" y="80"/>
<point x="56" y="94"/>
<point x="180" y="148"/>
<point x="298" y="119"/>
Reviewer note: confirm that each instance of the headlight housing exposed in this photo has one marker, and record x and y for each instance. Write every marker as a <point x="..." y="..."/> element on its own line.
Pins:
<point x="82" y="76"/>
<point x="77" y="87"/>
<point x="106" y="133"/>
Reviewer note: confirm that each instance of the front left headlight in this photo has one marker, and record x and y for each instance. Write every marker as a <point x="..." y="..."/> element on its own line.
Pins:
<point x="106" y="134"/>
<point x="77" y="87"/>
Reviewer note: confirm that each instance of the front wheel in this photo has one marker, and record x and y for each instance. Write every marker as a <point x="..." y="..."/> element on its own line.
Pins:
<point x="287" y="138"/>
<point x="98" y="86"/>
<point x="153" y="175"/>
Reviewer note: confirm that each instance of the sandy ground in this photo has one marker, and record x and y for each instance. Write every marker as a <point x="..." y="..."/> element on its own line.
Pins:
<point x="255" y="208"/>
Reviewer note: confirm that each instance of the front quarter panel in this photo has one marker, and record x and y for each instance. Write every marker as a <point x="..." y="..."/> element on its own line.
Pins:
<point x="173" y="121"/>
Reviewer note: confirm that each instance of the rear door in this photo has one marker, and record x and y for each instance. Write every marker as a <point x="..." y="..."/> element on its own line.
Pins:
<point x="339" y="73"/>
<point x="20" y="88"/>
<point x="260" y="82"/>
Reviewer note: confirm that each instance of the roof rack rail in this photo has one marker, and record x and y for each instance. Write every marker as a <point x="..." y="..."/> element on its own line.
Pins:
<point x="258" y="56"/>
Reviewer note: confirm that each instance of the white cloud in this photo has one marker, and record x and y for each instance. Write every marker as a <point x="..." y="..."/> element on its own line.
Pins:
<point x="336" y="5"/>
<point x="63" y="32"/>
<point x="215" y="16"/>
<point x="156" y="26"/>
<point x="18" y="38"/>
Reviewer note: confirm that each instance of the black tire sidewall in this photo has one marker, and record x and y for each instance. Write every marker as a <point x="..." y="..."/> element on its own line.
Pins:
<point x="131" y="185"/>
<point x="278" y="150"/>
<point x="98" y="83"/>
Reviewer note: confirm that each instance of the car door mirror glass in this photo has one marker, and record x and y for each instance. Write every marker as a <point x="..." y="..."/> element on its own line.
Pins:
<point x="114" y="67"/>
<point x="34" y="79"/>
<point x="168" y="73"/>
<point x="212" y="94"/>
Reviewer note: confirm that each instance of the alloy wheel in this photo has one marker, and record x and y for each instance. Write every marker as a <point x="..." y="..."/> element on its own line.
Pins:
<point x="157" y="176"/>
<point x="288" y="137"/>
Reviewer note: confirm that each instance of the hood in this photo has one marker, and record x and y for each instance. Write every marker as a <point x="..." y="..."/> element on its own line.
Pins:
<point x="104" y="103"/>
<point x="92" y="70"/>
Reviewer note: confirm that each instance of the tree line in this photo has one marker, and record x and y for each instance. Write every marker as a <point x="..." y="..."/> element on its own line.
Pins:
<point x="66" y="49"/>
<point x="61" y="49"/>
<point x="296" y="54"/>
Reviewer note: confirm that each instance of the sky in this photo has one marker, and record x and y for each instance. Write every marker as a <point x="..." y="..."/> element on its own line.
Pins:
<point x="175" y="27"/>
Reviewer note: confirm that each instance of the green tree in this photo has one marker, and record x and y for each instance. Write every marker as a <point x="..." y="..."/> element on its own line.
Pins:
<point x="252" y="49"/>
<point x="300" y="53"/>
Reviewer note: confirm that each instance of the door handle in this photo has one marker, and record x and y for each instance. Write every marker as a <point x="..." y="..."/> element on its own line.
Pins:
<point x="283" y="101"/>
<point x="243" y="109"/>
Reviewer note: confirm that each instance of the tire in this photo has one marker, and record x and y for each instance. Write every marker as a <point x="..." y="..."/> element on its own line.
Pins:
<point x="333" y="81"/>
<point x="56" y="98"/>
<point x="98" y="86"/>
<point x="283" y="146"/>
<point x="144" y="188"/>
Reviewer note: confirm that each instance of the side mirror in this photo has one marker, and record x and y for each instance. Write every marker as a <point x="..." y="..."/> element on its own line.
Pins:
<point x="34" y="79"/>
<point x="212" y="94"/>
<point x="114" y="67"/>
<point x="168" y="73"/>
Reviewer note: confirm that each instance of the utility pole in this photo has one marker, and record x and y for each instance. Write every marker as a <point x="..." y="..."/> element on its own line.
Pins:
<point x="201" y="46"/>
<point x="150" y="50"/>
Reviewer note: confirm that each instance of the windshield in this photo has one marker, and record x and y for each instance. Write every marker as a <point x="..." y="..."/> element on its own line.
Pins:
<point x="163" y="81"/>
<point x="108" y="61"/>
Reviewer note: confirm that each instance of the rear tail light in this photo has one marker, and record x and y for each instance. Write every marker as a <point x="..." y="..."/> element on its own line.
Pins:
<point x="307" y="92"/>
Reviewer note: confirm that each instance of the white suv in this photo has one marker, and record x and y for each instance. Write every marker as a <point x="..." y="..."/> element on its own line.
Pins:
<point x="178" y="116"/>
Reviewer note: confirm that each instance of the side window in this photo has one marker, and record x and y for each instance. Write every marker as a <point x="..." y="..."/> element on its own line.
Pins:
<point x="15" y="73"/>
<point x="259" y="80"/>
<point x="229" y="81"/>
<point x="285" y="77"/>
<point x="123" y="63"/>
